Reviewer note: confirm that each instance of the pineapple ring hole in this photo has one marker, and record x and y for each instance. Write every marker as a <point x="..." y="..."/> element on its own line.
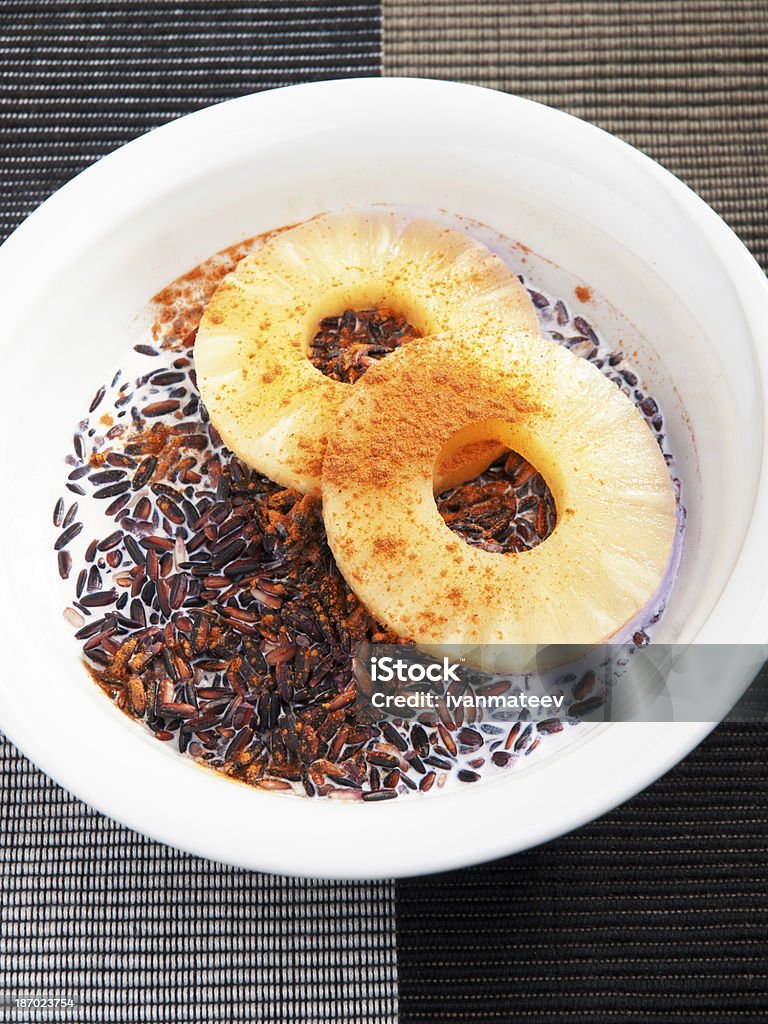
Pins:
<point x="506" y="507"/>
<point x="345" y="345"/>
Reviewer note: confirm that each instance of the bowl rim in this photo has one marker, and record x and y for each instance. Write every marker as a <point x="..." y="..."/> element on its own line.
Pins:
<point x="366" y="857"/>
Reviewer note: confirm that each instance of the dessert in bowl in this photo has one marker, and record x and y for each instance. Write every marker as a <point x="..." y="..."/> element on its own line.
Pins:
<point x="257" y="520"/>
<point x="627" y="284"/>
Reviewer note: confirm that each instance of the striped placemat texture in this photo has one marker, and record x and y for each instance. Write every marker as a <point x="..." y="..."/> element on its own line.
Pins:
<point x="654" y="913"/>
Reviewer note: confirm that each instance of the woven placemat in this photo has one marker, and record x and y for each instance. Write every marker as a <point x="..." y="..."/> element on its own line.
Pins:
<point x="80" y="79"/>
<point x="132" y="930"/>
<point x="656" y="912"/>
<point x="684" y="80"/>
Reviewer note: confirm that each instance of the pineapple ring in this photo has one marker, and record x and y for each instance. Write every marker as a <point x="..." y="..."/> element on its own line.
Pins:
<point x="270" y="405"/>
<point x="616" y="512"/>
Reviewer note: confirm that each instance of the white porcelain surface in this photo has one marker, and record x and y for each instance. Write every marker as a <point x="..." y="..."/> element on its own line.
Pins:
<point x="671" y="277"/>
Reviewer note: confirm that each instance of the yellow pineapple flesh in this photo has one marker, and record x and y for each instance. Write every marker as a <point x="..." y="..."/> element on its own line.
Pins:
<point x="616" y="510"/>
<point x="275" y="409"/>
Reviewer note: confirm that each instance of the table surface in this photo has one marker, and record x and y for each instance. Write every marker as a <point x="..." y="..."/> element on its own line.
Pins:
<point x="656" y="912"/>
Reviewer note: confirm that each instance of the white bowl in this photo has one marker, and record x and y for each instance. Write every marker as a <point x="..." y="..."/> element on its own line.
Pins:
<point x="76" y="274"/>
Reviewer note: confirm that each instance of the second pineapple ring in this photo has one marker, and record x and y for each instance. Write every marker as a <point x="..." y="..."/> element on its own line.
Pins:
<point x="616" y="516"/>
<point x="271" y="406"/>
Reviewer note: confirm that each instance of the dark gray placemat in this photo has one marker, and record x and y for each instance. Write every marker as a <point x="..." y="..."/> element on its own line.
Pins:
<point x="657" y="911"/>
<point x="684" y="80"/>
<point x="132" y="930"/>
<point x="79" y="79"/>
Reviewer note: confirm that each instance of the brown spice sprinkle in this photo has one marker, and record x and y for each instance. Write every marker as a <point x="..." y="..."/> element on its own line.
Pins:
<point x="458" y="399"/>
<point x="181" y="304"/>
